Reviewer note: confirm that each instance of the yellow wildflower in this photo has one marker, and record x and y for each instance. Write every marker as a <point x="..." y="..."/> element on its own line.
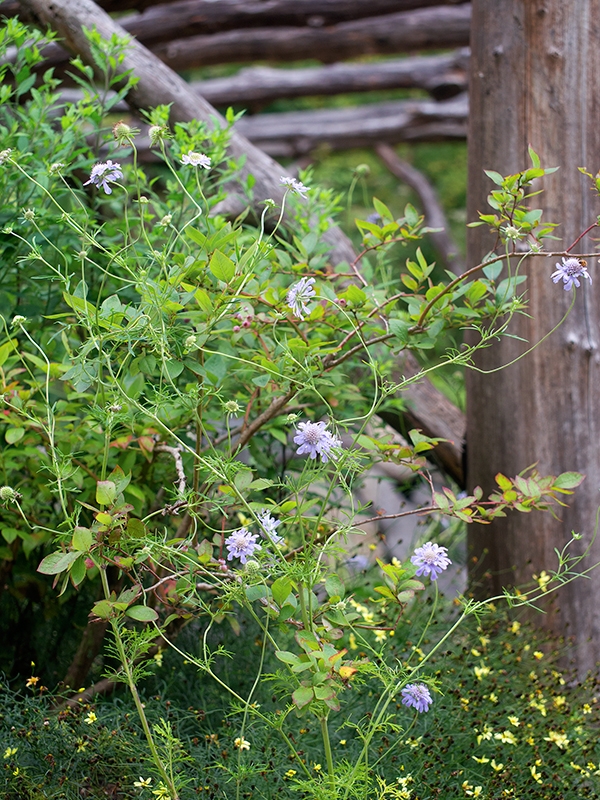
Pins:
<point x="317" y="767"/>
<point x="514" y="721"/>
<point x="482" y="671"/>
<point x="352" y="642"/>
<point x="143" y="783"/>
<point x="543" y="579"/>
<point x="482" y="760"/>
<point x="587" y="709"/>
<point x="380" y="636"/>
<point x="538" y="654"/>
<point x="506" y="737"/>
<point x="31" y="681"/>
<point x="515" y="627"/>
<point x="559" y="739"/>
<point x="91" y="718"/>
<point x="559" y="701"/>
<point x="495" y="766"/>
<point x="10" y="751"/>
<point x="290" y="773"/>
<point x="241" y="743"/>
<point x="537" y="776"/>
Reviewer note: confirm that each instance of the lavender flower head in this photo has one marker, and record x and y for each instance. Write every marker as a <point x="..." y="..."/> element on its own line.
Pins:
<point x="431" y="560"/>
<point x="570" y="270"/>
<point x="299" y="295"/>
<point x="294" y="186"/>
<point x="193" y="159"/>
<point x="242" y="544"/>
<point x="416" y="695"/>
<point x="269" y="525"/>
<point x="316" y="440"/>
<point x="104" y="173"/>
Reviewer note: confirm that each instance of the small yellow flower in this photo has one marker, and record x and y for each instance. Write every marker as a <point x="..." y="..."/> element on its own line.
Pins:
<point x="485" y="640"/>
<point x="476" y="792"/>
<point x="530" y="741"/>
<point x="495" y="766"/>
<point x="91" y="718"/>
<point x="158" y="657"/>
<point x="161" y="793"/>
<point x="559" y="739"/>
<point x="515" y="627"/>
<point x="587" y="709"/>
<point x="484" y="735"/>
<point x="514" y="721"/>
<point x="352" y="642"/>
<point x="342" y="741"/>
<point x="482" y="671"/>
<point x="81" y="745"/>
<point x="506" y="737"/>
<point x="482" y="760"/>
<point x="372" y="547"/>
<point x="241" y="743"/>
<point x="380" y="636"/>
<point x="31" y="681"/>
<point x="317" y="767"/>
<point x="10" y="751"/>
<point x="475" y="652"/>
<point x="143" y="783"/>
<point x="493" y="697"/>
<point x="560" y="701"/>
<point x="290" y="773"/>
<point x="537" y="776"/>
<point x="538" y="654"/>
<point x="16" y="772"/>
<point x="464" y="701"/>
<point x="543" y="579"/>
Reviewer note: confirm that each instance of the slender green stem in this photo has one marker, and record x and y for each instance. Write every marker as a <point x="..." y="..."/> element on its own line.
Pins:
<point x="136" y="698"/>
<point x="328" y="753"/>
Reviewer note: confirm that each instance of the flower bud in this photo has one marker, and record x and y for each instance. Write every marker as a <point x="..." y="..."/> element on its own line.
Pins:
<point x="122" y="132"/>
<point x="157" y="134"/>
<point x="8" y="494"/>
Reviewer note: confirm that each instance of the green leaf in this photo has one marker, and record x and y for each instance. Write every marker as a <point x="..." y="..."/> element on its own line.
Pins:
<point x="14" y="435"/>
<point x="280" y="589"/>
<point x="494" y="176"/>
<point x="203" y="300"/>
<point x="243" y="479"/>
<point x="303" y="696"/>
<point x="106" y="492"/>
<point x="221" y="266"/>
<point x="57" y="562"/>
<point x="6" y="349"/>
<point x="82" y="539"/>
<point x="103" y="609"/>
<point x="568" y="480"/>
<point x="196" y="236"/>
<point x="135" y="528"/>
<point x="287" y="657"/>
<point x="78" y="571"/>
<point x="142" y="613"/>
<point x="205" y="551"/>
<point x="9" y="534"/>
<point x="334" y="586"/>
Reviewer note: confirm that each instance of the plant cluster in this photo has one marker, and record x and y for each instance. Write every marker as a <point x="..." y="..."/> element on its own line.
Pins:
<point x="188" y="412"/>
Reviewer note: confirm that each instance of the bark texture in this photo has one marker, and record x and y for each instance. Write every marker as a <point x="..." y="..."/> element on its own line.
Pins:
<point x="535" y="79"/>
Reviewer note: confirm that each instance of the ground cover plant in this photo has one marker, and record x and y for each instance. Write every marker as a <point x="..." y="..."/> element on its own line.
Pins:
<point x="188" y="403"/>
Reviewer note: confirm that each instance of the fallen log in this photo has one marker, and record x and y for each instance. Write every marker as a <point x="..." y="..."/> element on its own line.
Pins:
<point x="428" y="28"/>
<point x="158" y="84"/>
<point x="192" y="17"/>
<point x="437" y="27"/>
<point x="292" y="134"/>
<point x="443" y="76"/>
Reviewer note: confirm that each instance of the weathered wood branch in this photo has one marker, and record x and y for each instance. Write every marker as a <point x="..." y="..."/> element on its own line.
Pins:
<point x="158" y="84"/>
<point x="408" y="31"/>
<point x="442" y="76"/>
<point x="434" y="213"/>
<point x="294" y="133"/>
<point x="168" y="19"/>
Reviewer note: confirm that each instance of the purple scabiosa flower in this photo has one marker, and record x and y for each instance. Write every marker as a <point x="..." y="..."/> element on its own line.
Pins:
<point x="570" y="270"/>
<point x="431" y="559"/>
<point x="316" y="440"/>
<point x="299" y="295"/>
<point x="416" y="695"/>
<point x="269" y="525"/>
<point x="294" y="186"/>
<point x="193" y="159"/>
<point x="242" y="544"/>
<point x="104" y="173"/>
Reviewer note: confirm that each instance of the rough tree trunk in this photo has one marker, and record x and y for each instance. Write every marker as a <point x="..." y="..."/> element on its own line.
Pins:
<point x="535" y="79"/>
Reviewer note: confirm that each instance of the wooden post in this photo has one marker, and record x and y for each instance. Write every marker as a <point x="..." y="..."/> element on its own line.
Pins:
<point x="535" y="79"/>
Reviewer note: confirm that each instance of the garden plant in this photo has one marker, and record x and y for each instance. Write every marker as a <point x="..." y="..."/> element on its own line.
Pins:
<point x="188" y="403"/>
